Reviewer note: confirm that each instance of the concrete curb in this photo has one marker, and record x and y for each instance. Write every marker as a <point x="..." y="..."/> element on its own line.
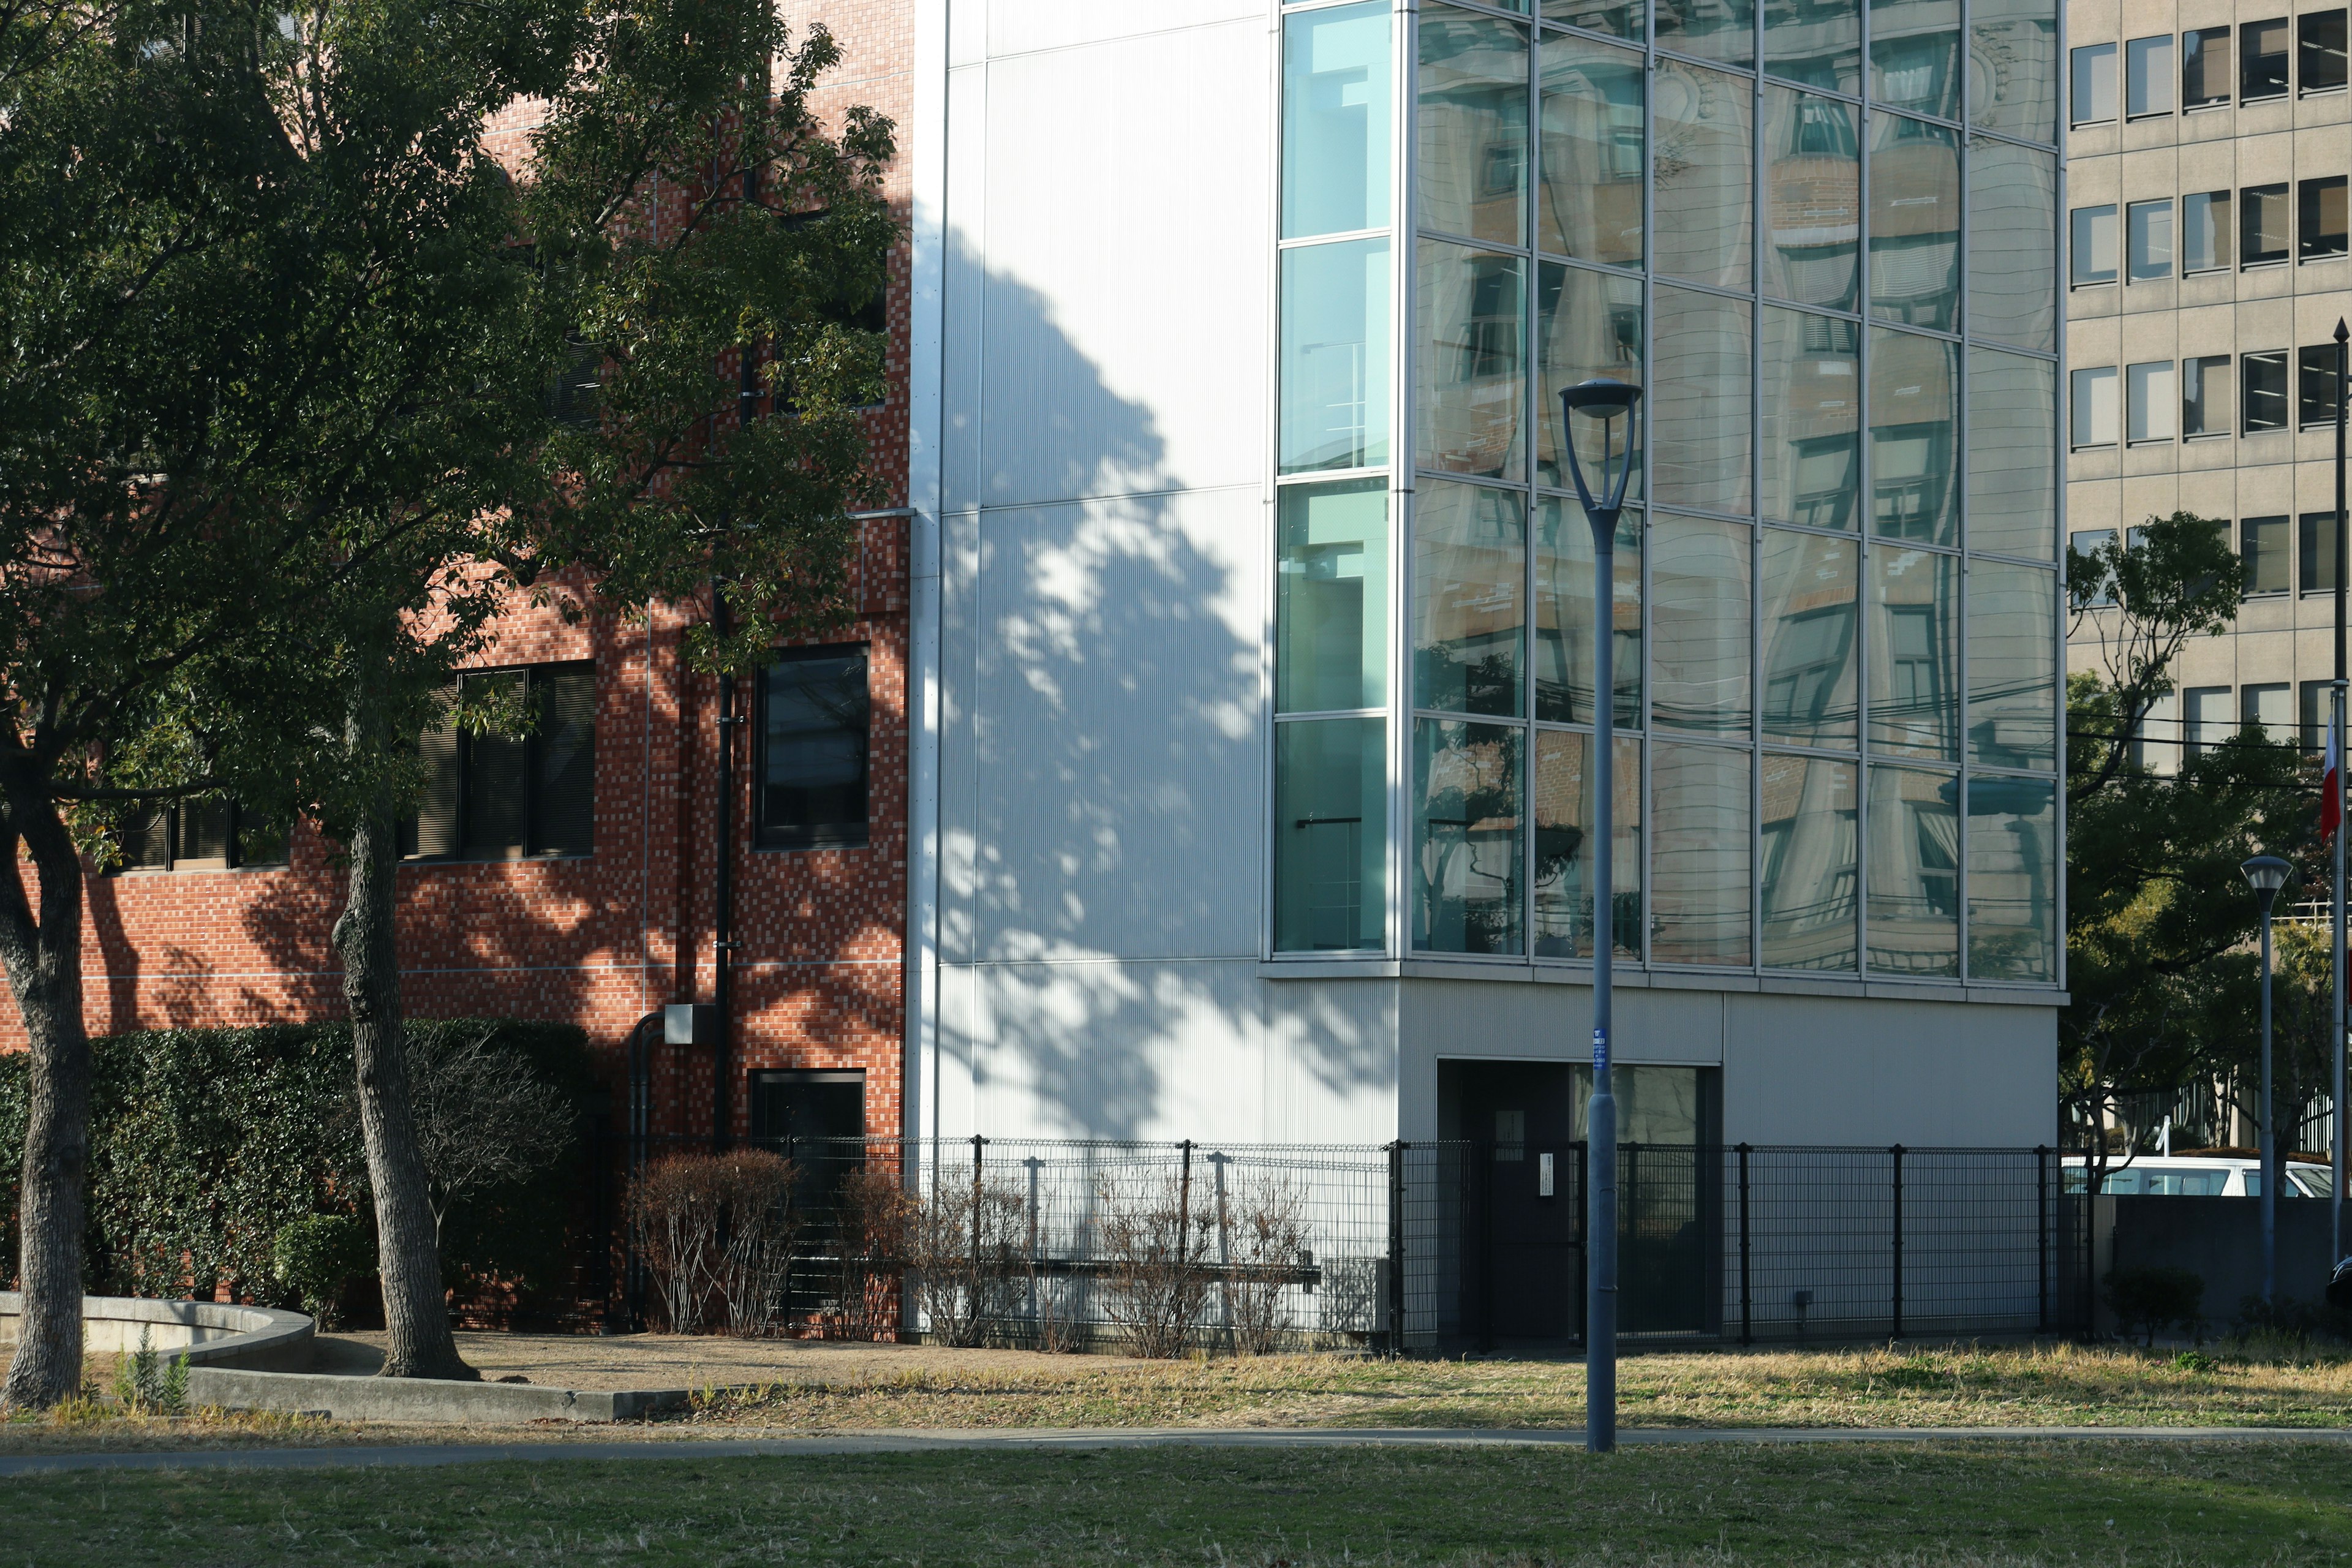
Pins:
<point x="209" y="1333"/>
<point x="446" y="1401"/>
<point x="428" y="1454"/>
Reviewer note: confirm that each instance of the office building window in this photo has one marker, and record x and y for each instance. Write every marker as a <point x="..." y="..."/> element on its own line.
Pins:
<point x="2147" y="76"/>
<point x="2095" y="409"/>
<point x="2264" y="708"/>
<point x="2205" y="398"/>
<point x="2095" y="246"/>
<point x="815" y="722"/>
<point x="2310" y="717"/>
<point x="207" y="833"/>
<point x="2205" y="231"/>
<point x="2265" y="391"/>
<point x="2082" y="564"/>
<point x="2095" y="84"/>
<point x="2320" y="230"/>
<point x="527" y="785"/>
<point x="2264" y="224"/>
<point x="2263" y="52"/>
<point x="2316" y="551"/>
<point x="2205" y="718"/>
<point x="2262" y="546"/>
<point x="2315" y="387"/>
<point x="2150" y="400"/>
<point x="2205" y="76"/>
<point x="2319" y="52"/>
<point x="2147" y="228"/>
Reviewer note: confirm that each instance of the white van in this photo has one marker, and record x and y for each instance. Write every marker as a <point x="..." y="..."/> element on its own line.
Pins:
<point x="2202" y="1176"/>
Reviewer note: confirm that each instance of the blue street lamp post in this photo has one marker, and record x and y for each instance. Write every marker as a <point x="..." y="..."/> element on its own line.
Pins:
<point x="1604" y="401"/>
<point x="2268" y="874"/>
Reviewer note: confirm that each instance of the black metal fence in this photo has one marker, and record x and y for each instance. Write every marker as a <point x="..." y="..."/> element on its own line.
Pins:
<point x="1419" y="1246"/>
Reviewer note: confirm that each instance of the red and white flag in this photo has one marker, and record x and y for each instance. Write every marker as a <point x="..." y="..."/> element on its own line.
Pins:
<point x="2331" y="787"/>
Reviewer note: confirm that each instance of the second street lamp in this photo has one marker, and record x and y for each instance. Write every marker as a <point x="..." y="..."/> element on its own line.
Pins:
<point x="2267" y="873"/>
<point x="1604" y="401"/>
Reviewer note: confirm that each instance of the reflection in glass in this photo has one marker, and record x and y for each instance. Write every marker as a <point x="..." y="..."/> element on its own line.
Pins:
<point x="1700" y="814"/>
<point x="1915" y="47"/>
<point x="1472" y="364"/>
<point x="1915" y="871"/>
<point x="1472" y="126"/>
<point x="1335" y="355"/>
<point x="1698" y="624"/>
<point x="1704" y="181"/>
<point x="1330" y="615"/>
<point x="1335" y="120"/>
<point x="1330" y="834"/>
<point x="1712" y="30"/>
<point x="2013" y="244"/>
<point x="1812" y="419"/>
<point x="1915" y="222"/>
<point x="1699" y="410"/>
<point x="1914" y="437"/>
<point x="1563" y="810"/>
<point x="2012" y="665"/>
<point x="1817" y="42"/>
<point x="2014" y="67"/>
<point x="1813" y="590"/>
<point x="1812" y="183"/>
<point x="1914" y="653"/>
<point x="2012" y="878"/>
<point x="1618" y="18"/>
<point x="1468" y="588"/>
<point x="1810" y="858"/>
<point x="1469" y="855"/>
<point x="1589" y="205"/>
<point x="1564" y="614"/>
<point x="1588" y="324"/>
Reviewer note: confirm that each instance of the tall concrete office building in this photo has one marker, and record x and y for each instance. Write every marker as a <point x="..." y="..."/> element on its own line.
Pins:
<point x="1253" y="613"/>
<point x="2208" y="151"/>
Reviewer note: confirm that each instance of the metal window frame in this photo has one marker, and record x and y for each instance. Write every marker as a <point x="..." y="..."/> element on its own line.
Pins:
<point x="763" y="836"/>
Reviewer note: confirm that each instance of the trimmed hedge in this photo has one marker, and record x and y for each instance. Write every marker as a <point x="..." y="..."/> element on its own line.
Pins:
<point x="207" y="1142"/>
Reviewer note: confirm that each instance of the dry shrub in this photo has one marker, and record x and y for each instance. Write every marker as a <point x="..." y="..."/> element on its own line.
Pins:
<point x="1157" y="1235"/>
<point x="1264" y="1237"/>
<point x="967" y="1254"/>
<point x="1057" y="1311"/>
<point x="718" y="1230"/>
<point x="755" y="1255"/>
<point x="675" y="1207"/>
<point x="873" y="1216"/>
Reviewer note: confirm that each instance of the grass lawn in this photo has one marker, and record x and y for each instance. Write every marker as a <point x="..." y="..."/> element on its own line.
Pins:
<point x="2011" y="1503"/>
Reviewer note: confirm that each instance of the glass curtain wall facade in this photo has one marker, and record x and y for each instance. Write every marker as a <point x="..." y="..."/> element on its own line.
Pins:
<point x="1823" y="239"/>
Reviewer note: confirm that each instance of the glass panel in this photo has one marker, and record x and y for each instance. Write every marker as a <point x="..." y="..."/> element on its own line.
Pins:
<point x="2013" y="248"/>
<point x="2148" y="75"/>
<point x="1468" y="590"/>
<point x="2264" y="233"/>
<point x="1618" y="18"/>
<point x="1699" y="813"/>
<point x="2315" y="549"/>
<point x="1915" y="859"/>
<point x="1721" y="30"/>
<point x="2093" y="254"/>
<point x="1330" y="834"/>
<point x="1471" y="370"/>
<point x="1812" y="592"/>
<point x="2207" y="405"/>
<point x="2315" y="381"/>
<point x="2263" y="404"/>
<point x="2014" y="67"/>
<point x="1914" y="660"/>
<point x="1810" y="859"/>
<point x="2151" y="401"/>
<point x="1335" y="355"/>
<point x="1914" y="437"/>
<point x="2262" y="547"/>
<point x="2094" y="400"/>
<point x="1564" y="614"/>
<point x="2147" y="251"/>
<point x="1705" y="176"/>
<point x="1813" y="184"/>
<point x="1699" y="426"/>
<point x="1698" y="624"/>
<point x="495" y="779"/>
<point x="1469" y="855"/>
<point x="1915" y="49"/>
<point x="1915" y="222"/>
<point x="1590" y="203"/>
<point x="1335" y="120"/>
<point x="2319" y="52"/>
<point x="2094" y="98"/>
<point x="1812" y="419"/>
<point x="1563" y="915"/>
<point x="1588" y="324"/>
<point x="2205" y="231"/>
<point x="1817" y="42"/>
<point x="2012" y="665"/>
<point x="2321" y="226"/>
<point x="2012" y="467"/>
<point x="1472" y="128"/>
<point x="2262" y="48"/>
<point x="201" y="826"/>
<point x="1332" y="595"/>
<point x="2206" y="77"/>
<point x="815" y="768"/>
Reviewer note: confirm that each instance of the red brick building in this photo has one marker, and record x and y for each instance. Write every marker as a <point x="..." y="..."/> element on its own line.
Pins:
<point x="499" y="918"/>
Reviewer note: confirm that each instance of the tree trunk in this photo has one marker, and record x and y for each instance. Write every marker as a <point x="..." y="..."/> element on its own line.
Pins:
<point x="408" y="1252"/>
<point x="44" y="961"/>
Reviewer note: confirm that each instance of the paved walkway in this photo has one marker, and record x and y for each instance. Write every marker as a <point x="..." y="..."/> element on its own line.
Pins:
<point x="397" y="1455"/>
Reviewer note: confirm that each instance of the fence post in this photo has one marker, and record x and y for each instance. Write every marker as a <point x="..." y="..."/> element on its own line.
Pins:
<point x="978" y="1143"/>
<point x="1897" y="1151"/>
<point x="1746" y="1304"/>
<point x="1396" y="1248"/>
<point x="2041" y="1234"/>
<point x="1184" y="1209"/>
<point x="1484" y="1152"/>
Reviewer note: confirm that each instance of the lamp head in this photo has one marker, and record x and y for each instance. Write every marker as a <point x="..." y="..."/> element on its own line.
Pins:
<point x="1603" y="399"/>
<point x="2266" y="874"/>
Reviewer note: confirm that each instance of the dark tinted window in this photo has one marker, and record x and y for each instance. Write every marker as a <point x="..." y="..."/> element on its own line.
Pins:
<point x="2316" y="551"/>
<point x="2263" y="397"/>
<point x="2265" y="230"/>
<point x="2264" y="51"/>
<point x="814" y="722"/>
<point x="2320" y="225"/>
<point x="2205" y="68"/>
<point x="2319" y="51"/>
<point x="2261" y="544"/>
<point x="206" y="833"/>
<point x="498" y="794"/>
<point x="2315" y="386"/>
